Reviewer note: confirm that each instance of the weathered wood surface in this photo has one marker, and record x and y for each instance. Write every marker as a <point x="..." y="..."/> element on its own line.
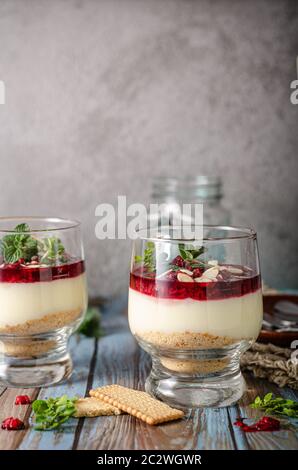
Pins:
<point x="116" y="358"/>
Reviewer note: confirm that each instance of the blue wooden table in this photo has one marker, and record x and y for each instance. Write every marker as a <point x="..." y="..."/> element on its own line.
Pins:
<point x="116" y="358"/>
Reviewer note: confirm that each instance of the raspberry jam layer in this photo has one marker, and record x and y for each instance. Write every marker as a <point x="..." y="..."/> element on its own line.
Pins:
<point x="174" y="289"/>
<point x="16" y="273"/>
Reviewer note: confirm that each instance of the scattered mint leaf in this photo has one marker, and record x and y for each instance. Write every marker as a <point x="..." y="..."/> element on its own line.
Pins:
<point x="53" y="412"/>
<point x="138" y="259"/>
<point x="277" y="405"/>
<point x="91" y="324"/>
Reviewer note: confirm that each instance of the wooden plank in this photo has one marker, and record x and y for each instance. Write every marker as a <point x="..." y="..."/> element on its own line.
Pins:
<point x="116" y="358"/>
<point x="10" y="439"/>
<point x="120" y="360"/>
<point x="83" y="353"/>
<point x="284" y="439"/>
<point x="201" y="429"/>
<point x="82" y="350"/>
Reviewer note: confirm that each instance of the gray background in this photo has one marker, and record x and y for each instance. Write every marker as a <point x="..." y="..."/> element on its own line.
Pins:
<point x="101" y="95"/>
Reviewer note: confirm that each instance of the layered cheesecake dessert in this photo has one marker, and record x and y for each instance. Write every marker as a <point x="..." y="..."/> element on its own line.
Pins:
<point x="194" y="305"/>
<point x="42" y="289"/>
<point x="35" y="298"/>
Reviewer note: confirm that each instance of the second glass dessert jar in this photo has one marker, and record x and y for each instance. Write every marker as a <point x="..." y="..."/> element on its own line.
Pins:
<point x="195" y="306"/>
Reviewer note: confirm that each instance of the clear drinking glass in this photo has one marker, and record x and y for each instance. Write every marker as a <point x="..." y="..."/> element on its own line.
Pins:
<point x="195" y="306"/>
<point x="43" y="298"/>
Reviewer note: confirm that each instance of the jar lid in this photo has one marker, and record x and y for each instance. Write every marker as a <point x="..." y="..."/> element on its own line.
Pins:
<point x="186" y="187"/>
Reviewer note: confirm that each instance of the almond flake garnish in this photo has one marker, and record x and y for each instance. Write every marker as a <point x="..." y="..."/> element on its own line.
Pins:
<point x="213" y="262"/>
<point x="222" y="268"/>
<point x="204" y="279"/>
<point x="233" y="270"/>
<point x="186" y="271"/>
<point x="211" y="273"/>
<point x="182" y="277"/>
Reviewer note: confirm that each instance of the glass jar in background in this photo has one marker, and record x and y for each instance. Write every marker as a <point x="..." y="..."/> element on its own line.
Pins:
<point x="206" y="190"/>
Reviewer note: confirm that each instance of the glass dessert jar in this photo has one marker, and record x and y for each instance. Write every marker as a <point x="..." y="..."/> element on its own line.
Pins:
<point x="205" y="190"/>
<point x="195" y="306"/>
<point x="43" y="298"/>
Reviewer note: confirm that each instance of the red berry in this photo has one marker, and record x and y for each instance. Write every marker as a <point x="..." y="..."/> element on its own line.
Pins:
<point x="12" y="424"/>
<point x="197" y="272"/>
<point x="187" y="265"/>
<point x="22" y="261"/>
<point x="178" y="261"/>
<point x="22" y="400"/>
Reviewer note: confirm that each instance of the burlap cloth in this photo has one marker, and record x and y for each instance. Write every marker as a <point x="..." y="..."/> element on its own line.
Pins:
<point x="272" y="363"/>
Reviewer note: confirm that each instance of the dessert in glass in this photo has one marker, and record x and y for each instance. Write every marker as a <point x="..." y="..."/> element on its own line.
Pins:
<point x="195" y="306"/>
<point x="43" y="298"/>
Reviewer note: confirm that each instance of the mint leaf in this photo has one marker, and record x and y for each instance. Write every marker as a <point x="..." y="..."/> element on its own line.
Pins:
<point x="50" y="250"/>
<point x="53" y="412"/>
<point x="149" y="257"/>
<point x="276" y="405"/>
<point x="22" y="228"/>
<point x="12" y="246"/>
<point x="188" y="252"/>
<point x="267" y="398"/>
<point x="90" y="326"/>
<point x="21" y="245"/>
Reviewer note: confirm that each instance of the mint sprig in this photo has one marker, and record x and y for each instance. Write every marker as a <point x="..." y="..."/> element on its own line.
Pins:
<point x="50" y="249"/>
<point x="149" y="257"/>
<point x="18" y="245"/>
<point x="53" y="412"/>
<point x="281" y="406"/>
<point x="22" y="245"/>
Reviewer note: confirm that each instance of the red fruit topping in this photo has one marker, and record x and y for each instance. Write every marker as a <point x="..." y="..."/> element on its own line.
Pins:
<point x="264" y="424"/>
<point x="22" y="400"/>
<point x="178" y="261"/>
<point x="197" y="272"/>
<point x="22" y="261"/>
<point x="15" y="272"/>
<point x="172" y="276"/>
<point x="187" y="265"/>
<point x="12" y="424"/>
<point x="169" y="287"/>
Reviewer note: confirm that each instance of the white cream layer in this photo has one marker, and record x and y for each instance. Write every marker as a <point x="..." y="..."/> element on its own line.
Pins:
<point x="21" y="302"/>
<point x="237" y="317"/>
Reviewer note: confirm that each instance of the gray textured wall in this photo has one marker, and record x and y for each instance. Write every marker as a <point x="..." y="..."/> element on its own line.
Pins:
<point x="103" y="94"/>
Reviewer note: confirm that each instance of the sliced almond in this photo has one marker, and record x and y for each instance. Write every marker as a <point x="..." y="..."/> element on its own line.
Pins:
<point x="186" y="271"/>
<point x="211" y="273"/>
<point x="222" y="268"/>
<point x="182" y="277"/>
<point x="233" y="270"/>
<point x="203" y="279"/>
<point x="213" y="262"/>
